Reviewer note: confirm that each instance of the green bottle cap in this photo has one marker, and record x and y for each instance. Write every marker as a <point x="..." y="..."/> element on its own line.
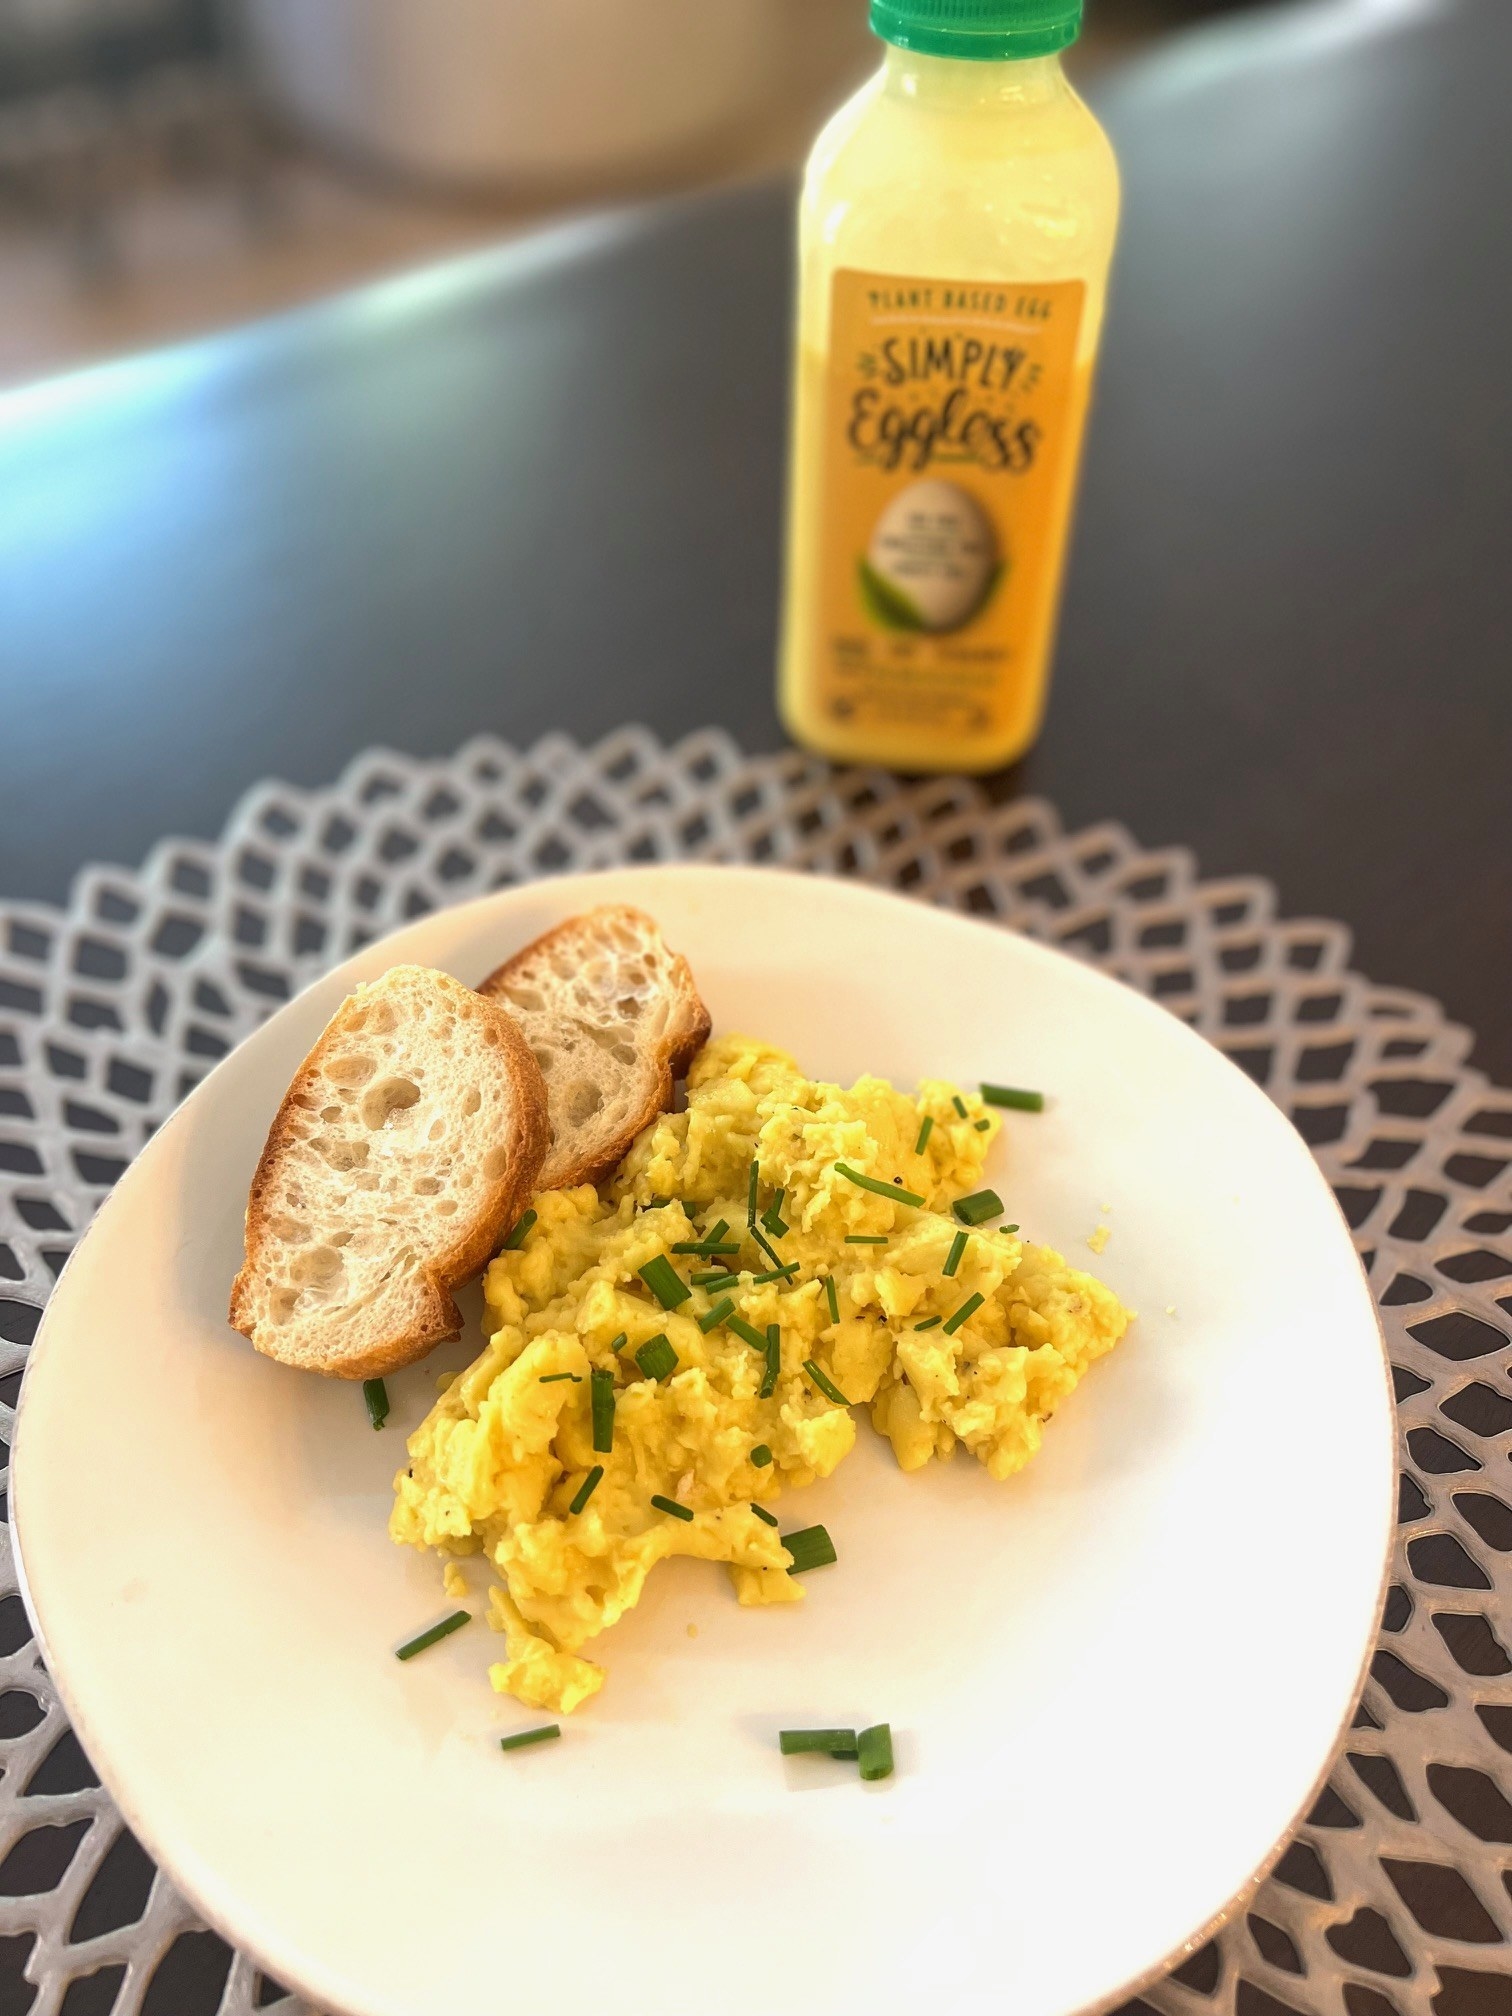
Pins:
<point x="988" y="31"/>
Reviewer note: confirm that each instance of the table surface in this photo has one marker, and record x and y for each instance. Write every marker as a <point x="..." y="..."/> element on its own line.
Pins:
<point x="539" y="489"/>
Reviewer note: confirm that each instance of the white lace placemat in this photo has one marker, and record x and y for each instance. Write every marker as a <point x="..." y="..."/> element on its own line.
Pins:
<point x="1398" y="1888"/>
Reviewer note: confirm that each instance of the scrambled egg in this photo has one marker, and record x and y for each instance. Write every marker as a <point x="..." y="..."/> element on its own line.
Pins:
<point x="508" y="1449"/>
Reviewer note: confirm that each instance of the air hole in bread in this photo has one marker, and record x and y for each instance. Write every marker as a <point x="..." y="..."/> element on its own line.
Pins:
<point x="472" y="1102"/>
<point x="351" y="1069"/>
<point x="436" y="1130"/>
<point x="384" y="1102"/>
<point x="495" y="1163"/>
<point x="446" y="1206"/>
<point x="526" y="998"/>
<point x="381" y="1019"/>
<point x="320" y="1268"/>
<point x="339" y="1153"/>
<point x="544" y="1057"/>
<point x="291" y="1231"/>
<point x="583" y="1100"/>
<point x="329" y="1113"/>
<point x="426" y="1186"/>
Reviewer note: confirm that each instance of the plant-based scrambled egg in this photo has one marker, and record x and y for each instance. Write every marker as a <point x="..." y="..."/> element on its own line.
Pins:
<point x="509" y="1450"/>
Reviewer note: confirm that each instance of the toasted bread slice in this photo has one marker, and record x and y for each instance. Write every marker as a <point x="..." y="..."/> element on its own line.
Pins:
<point x="614" y="1020"/>
<point x="403" y="1152"/>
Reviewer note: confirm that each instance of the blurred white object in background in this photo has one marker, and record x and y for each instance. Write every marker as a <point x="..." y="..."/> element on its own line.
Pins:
<point x="480" y="93"/>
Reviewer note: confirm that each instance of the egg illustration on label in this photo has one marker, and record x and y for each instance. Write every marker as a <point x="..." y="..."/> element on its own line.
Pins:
<point x="933" y="559"/>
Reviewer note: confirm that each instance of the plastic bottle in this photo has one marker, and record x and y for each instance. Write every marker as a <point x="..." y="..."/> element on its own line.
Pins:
<point x="957" y="226"/>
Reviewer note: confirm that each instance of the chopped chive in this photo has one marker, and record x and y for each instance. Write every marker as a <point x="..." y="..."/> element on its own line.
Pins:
<point x="978" y="1207"/>
<point x="601" y="1391"/>
<point x="656" y="1203"/>
<point x="958" y="1246"/>
<point x="824" y="1382"/>
<point x="761" y="1455"/>
<point x="746" y="1332"/>
<point x="671" y="1505"/>
<point x="968" y="1308"/>
<point x="817" y="1742"/>
<point x="832" y="1296"/>
<point x="762" y="1513"/>
<point x="587" y="1488"/>
<point x="716" y="1284"/>
<point x="620" y="1342"/>
<point x="720" y="1313"/>
<point x="866" y="1238"/>
<point x="772" y="1216"/>
<point x="926" y="1128"/>
<point x="375" y="1394"/>
<point x="716" y="1232"/>
<point x="656" y="1358"/>
<point x="874" y="1752"/>
<point x="982" y="1126"/>
<point x="1010" y="1095"/>
<point x="755" y="1178"/>
<point x="774" y="1274"/>
<point x="811" y="1547"/>
<point x="435" y="1634"/>
<point x="703" y="1249"/>
<point x="555" y="1378"/>
<point x="878" y="1188"/>
<point x="773" y="1363"/>
<point x="547" y="1733"/>
<point x="960" y="1105"/>
<point x="712" y="1275"/>
<point x="664" y="1281"/>
<point x="766" y="1246"/>
<point x="520" y="1233"/>
<point x="928" y="1323"/>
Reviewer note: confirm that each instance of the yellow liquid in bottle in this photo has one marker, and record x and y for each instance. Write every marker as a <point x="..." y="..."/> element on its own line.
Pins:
<point x="956" y="230"/>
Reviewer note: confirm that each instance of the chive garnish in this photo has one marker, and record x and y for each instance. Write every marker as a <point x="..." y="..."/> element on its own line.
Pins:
<point x="866" y="1238"/>
<point x="656" y="1358"/>
<point x="878" y="1188"/>
<point x="982" y="1126"/>
<point x="817" y="1742"/>
<point x="520" y="1233"/>
<point x="671" y="1505"/>
<point x="958" y="1246"/>
<point x="928" y="1323"/>
<point x="1010" y="1095"/>
<point x="703" y="1249"/>
<point x="832" y="1296"/>
<point x="960" y="1105"/>
<point x="775" y="1274"/>
<point x="664" y="1281"/>
<point x="874" y="1752"/>
<point x="773" y="1363"/>
<point x="716" y="1232"/>
<point x="555" y="1378"/>
<point x="720" y="1282"/>
<point x="968" y="1308"/>
<point x="620" y="1342"/>
<point x="746" y="1332"/>
<point x="587" y="1488"/>
<point x="761" y="1455"/>
<point x="755" y="1178"/>
<point x="720" y="1313"/>
<point x="926" y="1128"/>
<point x="811" y="1547"/>
<point x="435" y="1634"/>
<point x="547" y="1733"/>
<point x="601" y="1392"/>
<point x="712" y="1277"/>
<point x="656" y="1203"/>
<point x="763" y="1514"/>
<point x="774" y="1208"/>
<point x="766" y="1246"/>
<point x="978" y="1207"/>
<point x="375" y="1394"/>
<point x="824" y="1382"/>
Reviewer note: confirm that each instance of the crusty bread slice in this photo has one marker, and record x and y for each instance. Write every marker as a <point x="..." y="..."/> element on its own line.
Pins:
<point x="403" y="1152"/>
<point x="614" y="1020"/>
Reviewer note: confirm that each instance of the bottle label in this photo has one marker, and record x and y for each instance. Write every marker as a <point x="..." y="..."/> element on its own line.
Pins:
<point x="953" y="418"/>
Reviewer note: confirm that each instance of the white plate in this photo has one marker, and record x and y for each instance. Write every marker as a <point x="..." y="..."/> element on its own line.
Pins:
<point x="1114" y="1682"/>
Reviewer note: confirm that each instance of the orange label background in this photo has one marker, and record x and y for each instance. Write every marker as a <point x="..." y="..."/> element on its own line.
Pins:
<point x="970" y="680"/>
